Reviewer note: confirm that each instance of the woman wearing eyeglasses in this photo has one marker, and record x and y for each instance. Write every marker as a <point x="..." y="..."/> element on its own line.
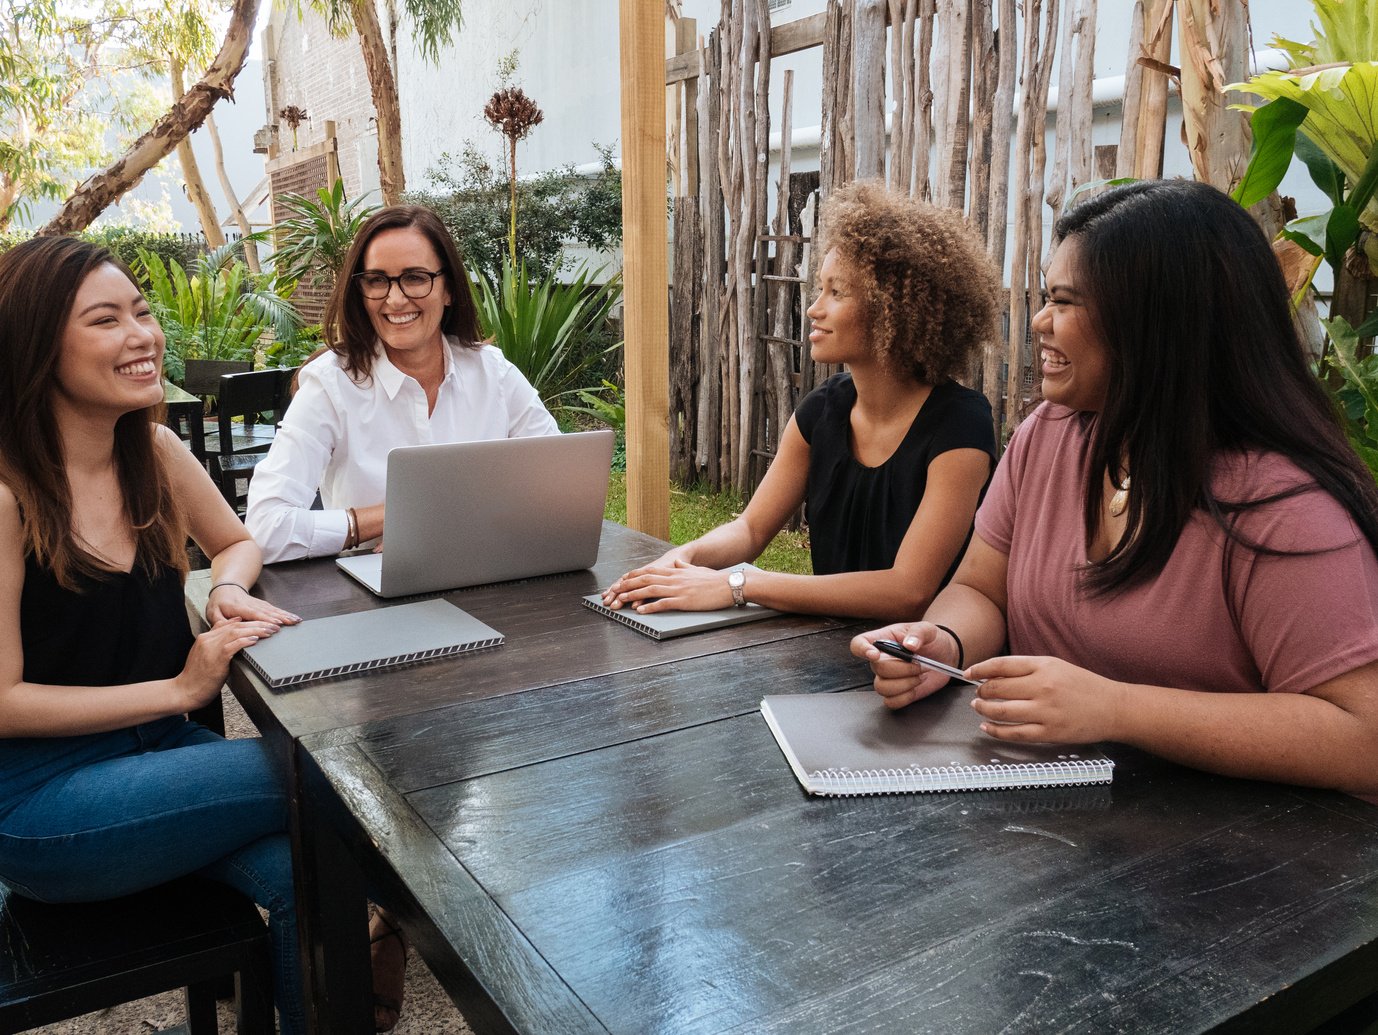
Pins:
<point x="404" y="367"/>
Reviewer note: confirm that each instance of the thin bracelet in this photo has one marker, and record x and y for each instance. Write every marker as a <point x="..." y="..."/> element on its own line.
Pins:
<point x="961" y="651"/>
<point x="236" y="585"/>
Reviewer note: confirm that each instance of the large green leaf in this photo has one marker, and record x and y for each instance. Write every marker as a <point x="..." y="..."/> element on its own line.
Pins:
<point x="1275" y="133"/>
<point x="1325" y="174"/>
<point x="1342" y="113"/>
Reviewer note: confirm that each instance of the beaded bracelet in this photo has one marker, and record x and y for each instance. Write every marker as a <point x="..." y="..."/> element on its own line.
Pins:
<point x="961" y="651"/>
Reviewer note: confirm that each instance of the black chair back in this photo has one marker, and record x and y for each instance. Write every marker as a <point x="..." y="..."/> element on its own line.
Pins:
<point x="203" y="375"/>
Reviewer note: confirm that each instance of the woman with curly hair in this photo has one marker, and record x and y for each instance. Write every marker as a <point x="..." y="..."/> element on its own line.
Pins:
<point x="889" y="458"/>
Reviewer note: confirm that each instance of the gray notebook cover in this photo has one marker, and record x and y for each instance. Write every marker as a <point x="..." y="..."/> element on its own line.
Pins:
<point x="323" y="647"/>
<point x="850" y="743"/>
<point x="666" y="625"/>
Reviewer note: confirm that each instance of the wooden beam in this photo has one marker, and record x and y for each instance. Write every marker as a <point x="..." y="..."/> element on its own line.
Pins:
<point x="784" y="39"/>
<point x="645" y="243"/>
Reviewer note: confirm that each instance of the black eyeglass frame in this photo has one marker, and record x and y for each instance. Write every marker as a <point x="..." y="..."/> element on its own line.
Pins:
<point x="430" y="284"/>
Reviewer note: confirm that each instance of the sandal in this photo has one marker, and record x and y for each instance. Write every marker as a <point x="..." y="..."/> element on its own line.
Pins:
<point x="388" y="949"/>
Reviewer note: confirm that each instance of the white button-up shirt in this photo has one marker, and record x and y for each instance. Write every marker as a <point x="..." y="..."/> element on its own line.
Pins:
<point x="336" y="435"/>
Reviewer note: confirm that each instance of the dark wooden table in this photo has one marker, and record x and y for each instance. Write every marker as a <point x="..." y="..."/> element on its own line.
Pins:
<point x="552" y="641"/>
<point x="589" y="831"/>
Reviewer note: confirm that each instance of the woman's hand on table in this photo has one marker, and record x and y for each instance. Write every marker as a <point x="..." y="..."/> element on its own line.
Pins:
<point x="1046" y="700"/>
<point x="208" y="663"/>
<point x="227" y="601"/>
<point x="902" y="682"/>
<point x="670" y="584"/>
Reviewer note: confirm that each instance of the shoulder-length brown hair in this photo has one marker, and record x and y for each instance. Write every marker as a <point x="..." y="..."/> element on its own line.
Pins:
<point x="347" y="329"/>
<point x="39" y="280"/>
<point x="932" y="293"/>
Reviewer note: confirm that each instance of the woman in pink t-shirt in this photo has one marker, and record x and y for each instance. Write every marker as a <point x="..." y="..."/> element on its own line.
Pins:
<point x="1178" y="549"/>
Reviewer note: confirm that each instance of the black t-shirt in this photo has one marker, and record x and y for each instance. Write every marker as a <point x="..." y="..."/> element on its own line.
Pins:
<point x="858" y="515"/>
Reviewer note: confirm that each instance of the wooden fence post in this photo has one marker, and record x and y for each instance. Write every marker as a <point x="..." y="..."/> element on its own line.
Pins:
<point x="645" y="246"/>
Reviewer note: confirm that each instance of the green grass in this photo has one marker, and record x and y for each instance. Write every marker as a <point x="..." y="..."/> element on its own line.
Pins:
<point x="694" y="511"/>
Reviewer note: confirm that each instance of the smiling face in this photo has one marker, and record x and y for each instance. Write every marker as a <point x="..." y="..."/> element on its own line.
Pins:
<point x="405" y="324"/>
<point x="839" y="316"/>
<point x="111" y="354"/>
<point x="1076" y="365"/>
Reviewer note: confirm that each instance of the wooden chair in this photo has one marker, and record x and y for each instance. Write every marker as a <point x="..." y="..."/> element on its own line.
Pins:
<point x="202" y="379"/>
<point x="61" y="961"/>
<point x="203" y="375"/>
<point x="258" y="399"/>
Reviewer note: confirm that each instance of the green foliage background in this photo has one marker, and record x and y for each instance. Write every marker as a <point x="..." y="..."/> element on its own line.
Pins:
<point x="471" y="197"/>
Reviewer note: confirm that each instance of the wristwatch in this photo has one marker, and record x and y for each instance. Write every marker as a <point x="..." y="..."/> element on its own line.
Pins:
<point x="736" y="581"/>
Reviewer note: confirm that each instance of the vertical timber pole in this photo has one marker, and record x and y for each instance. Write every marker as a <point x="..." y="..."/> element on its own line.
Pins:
<point x="645" y="244"/>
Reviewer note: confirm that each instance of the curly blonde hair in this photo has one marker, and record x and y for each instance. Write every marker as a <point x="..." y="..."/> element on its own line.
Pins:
<point x="931" y="291"/>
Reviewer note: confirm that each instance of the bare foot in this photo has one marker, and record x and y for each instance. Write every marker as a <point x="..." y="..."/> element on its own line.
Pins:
<point x="389" y="952"/>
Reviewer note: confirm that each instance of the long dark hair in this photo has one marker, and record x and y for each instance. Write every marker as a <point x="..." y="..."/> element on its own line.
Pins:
<point x="1190" y="304"/>
<point x="39" y="280"/>
<point x="346" y="326"/>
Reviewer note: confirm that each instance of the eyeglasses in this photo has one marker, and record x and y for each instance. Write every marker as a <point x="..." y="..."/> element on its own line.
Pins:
<point x="414" y="283"/>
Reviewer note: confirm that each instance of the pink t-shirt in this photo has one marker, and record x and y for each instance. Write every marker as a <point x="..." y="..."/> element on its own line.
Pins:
<point x="1262" y="622"/>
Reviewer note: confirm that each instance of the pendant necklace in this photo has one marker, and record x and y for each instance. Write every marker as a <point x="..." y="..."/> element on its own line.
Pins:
<point x="1120" y="499"/>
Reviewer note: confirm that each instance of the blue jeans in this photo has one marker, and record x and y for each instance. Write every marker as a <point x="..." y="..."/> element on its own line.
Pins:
<point x="95" y="817"/>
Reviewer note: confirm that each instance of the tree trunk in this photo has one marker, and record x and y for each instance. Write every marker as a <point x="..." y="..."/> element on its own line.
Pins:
<point x="232" y="199"/>
<point x="383" y="86"/>
<point x="107" y="187"/>
<point x="195" y="186"/>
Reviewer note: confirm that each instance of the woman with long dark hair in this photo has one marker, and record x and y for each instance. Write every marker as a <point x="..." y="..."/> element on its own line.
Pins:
<point x="888" y="458"/>
<point x="1177" y="550"/>
<point x="106" y="787"/>
<point x="404" y="367"/>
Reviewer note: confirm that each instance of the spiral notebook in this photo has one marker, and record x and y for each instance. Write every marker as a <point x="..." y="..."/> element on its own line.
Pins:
<point x="321" y="648"/>
<point x="849" y="743"/>
<point x="666" y="625"/>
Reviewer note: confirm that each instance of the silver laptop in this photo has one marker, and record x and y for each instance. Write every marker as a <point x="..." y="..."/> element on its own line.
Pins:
<point x="469" y="513"/>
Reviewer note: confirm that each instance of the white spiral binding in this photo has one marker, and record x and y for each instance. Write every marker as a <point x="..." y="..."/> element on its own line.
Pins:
<point x="961" y="777"/>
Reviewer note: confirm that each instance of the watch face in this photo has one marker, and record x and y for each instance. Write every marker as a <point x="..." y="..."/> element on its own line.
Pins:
<point x="736" y="578"/>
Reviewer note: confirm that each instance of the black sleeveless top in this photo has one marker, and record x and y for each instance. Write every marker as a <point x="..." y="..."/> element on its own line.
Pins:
<point x="125" y="627"/>
<point x="858" y="515"/>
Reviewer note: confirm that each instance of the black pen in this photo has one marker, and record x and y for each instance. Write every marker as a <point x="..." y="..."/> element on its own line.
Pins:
<point x="896" y="650"/>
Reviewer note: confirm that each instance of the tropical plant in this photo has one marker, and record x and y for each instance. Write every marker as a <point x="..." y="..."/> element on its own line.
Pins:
<point x="434" y="23"/>
<point x="295" y="349"/>
<point x="312" y="242"/>
<point x="1326" y="113"/>
<point x="551" y="331"/>
<point x="216" y="309"/>
<point x="1357" y="397"/>
<point x="472" y="199"/>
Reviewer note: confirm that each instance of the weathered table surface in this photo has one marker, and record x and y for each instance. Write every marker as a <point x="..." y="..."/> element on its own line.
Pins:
<point x="551" y="640"/>
<point x="589" y="831"/>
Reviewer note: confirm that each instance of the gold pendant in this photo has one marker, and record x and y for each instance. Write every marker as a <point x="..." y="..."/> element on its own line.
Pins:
<point x="1120" y="499"/>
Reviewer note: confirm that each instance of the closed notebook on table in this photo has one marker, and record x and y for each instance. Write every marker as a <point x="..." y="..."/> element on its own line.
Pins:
<point x="666" y="625"/>
<point x="320" y="648"/>
<point x="850" y="743"/>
